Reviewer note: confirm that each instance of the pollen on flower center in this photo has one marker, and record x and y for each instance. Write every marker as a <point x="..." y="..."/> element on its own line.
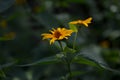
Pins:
<point x="57" y="34"/>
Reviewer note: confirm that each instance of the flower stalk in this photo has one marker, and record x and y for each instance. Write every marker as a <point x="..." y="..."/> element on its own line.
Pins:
<point x="61" y="45"/>
<point x="69" y="70"/>
<point x="74" y="42"/>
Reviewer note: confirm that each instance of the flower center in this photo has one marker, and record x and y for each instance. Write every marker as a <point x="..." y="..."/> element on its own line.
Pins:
<point x="57" y="34"/>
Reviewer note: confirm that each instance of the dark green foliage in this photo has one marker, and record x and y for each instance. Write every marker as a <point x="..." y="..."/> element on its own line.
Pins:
<point x="25" y="56"/>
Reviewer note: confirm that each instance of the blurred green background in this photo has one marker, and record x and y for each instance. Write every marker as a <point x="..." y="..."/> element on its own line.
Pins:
<point x="23" y="21"/>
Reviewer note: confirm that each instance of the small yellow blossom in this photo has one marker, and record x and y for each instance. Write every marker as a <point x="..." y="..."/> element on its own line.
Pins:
<point x="3" y="23"/>
<point x="105" y="44"/>
<point x="10" y="35"/>
<point x="57" y="34"/>
<point x="84" y="22"/>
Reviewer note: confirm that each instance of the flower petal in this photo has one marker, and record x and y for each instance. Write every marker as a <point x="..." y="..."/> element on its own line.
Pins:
<point x="47" y="36"/>
<point x="52" y="40"/>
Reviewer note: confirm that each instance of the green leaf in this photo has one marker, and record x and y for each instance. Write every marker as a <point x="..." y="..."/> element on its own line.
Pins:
<point x="92" y="53"/>
<point x="2" y="67"/>
<point x="82" y="60"/>
<point x="69" y="50"/>
<point x="73" y="27"/>
<point x="5" y="4"/>
<point x="57" y="44"/>
<point x="47" y="60"/>
<point x="60" y="55"/>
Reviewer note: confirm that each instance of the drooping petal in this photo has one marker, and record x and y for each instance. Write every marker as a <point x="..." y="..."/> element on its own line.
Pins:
<point x="47" y="36"/>
<point x="52" y="31"/>
<point x="52" y="40"/>
<point x="88" y="20"/>
<point x="61" y="37"/>
<point x="84" y="22"/>
<point x="68" y="32"/>
<point x="74" y="22"/>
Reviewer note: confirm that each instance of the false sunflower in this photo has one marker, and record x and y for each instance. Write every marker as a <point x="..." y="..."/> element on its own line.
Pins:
<point x="84" y="22"/>
<point x="57" y="34"/>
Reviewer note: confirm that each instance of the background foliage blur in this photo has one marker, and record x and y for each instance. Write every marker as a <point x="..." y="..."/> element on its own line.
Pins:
<point x="23" y="21"/>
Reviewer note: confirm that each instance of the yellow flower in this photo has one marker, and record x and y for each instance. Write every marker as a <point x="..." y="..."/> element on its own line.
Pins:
<point x="105" y="44"/>
<point x="3" y="23"/>
<point x="57" y="34"/>
<point x="84" y="22"/>
<point x="10" y="35"/>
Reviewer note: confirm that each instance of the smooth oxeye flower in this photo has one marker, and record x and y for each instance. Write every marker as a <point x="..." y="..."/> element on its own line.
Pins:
<point x="57" y="34"/>
<point x="84" y="22"/>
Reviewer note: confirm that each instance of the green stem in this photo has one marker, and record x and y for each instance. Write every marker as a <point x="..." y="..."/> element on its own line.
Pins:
<point x="61" y="45"/>
<point x="68" y="62"/>
<point x="70" y="73"/>
<point x="74" y="43"/>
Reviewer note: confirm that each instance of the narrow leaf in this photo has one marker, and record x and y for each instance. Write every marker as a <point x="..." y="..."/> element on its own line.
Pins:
<point x="92" y="53"/>
<point x="57" y="44"/>
<point x="73" y="27"/>
<point x="47" y="60"/>
<point x="69" y="50"/>
<point x="85" y="61"/>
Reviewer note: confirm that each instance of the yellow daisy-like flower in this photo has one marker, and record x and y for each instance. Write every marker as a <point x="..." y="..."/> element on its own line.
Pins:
<point x="84" y="22"/>
<point x="57" y="34"/>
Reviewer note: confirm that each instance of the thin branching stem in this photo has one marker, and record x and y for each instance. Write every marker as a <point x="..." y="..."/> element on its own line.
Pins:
<point x="74" y="43"/>
<point x="69" y="69"/>
<point x="61" y="45"/>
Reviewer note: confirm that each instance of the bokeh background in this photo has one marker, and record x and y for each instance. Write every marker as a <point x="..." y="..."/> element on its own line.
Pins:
<point x="23" y="21"/>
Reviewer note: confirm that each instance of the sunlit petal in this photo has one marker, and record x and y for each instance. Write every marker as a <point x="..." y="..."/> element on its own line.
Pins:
<point x="84" y="22"/>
